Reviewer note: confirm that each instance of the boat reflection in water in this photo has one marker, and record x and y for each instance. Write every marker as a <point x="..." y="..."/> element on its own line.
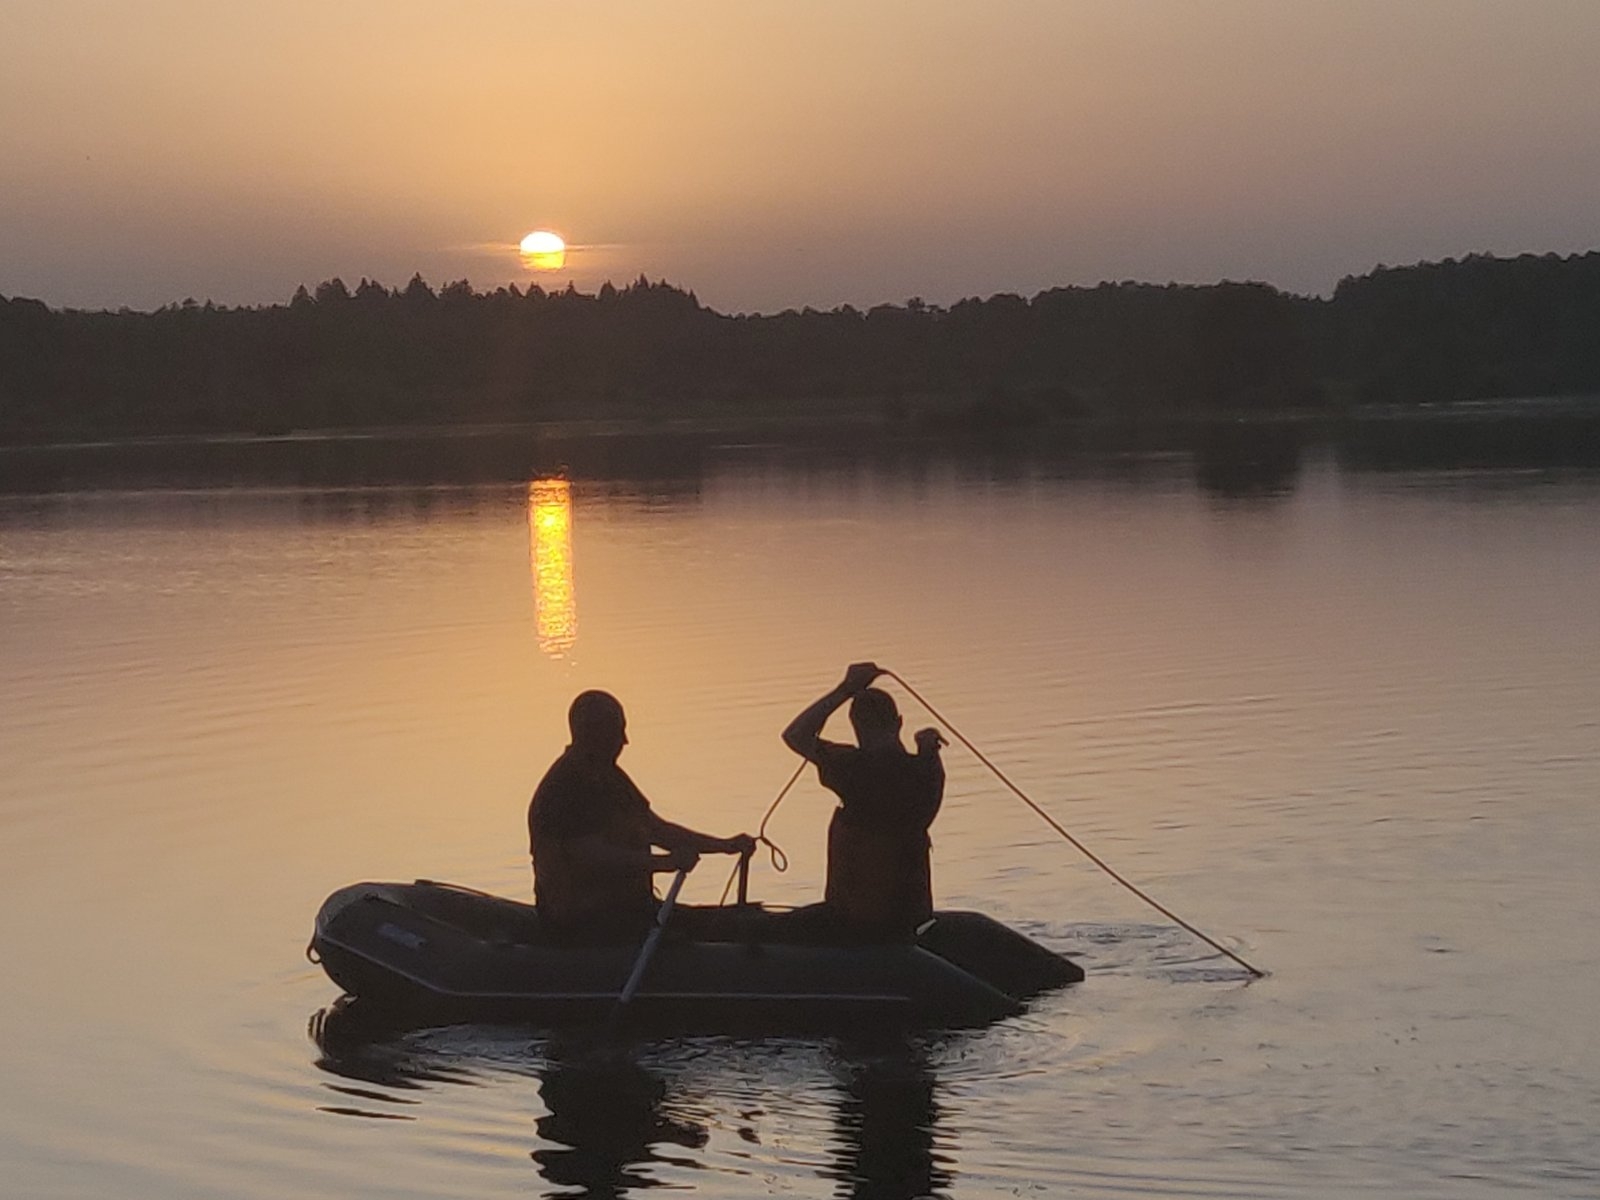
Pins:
<point x="884" y="1126"/>
<point x="609" y="1119"/>
<point x="555" y="603"/>
<point x="624" y="1118"/>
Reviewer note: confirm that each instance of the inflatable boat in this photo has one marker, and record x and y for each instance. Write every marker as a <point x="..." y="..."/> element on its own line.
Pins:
<point x="429" y="953"/>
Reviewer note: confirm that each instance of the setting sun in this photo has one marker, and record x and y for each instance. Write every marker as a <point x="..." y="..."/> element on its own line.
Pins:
<point x="543" y="251"/>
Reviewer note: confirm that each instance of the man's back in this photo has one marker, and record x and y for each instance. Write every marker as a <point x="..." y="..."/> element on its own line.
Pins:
<point x="882" y="787"/>
<point x="591" y="833"/>
<point x="878" y="872"/>
<point x="581" y="798"/>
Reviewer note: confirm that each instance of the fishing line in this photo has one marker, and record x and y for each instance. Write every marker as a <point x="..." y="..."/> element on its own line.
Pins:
<point x="780" y="860"/>
<point x="1056" y="825"/>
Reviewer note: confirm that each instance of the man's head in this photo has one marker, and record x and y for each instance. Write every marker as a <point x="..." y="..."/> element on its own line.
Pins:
<point x="875" y="718"/>
<point x="599" y="728"/>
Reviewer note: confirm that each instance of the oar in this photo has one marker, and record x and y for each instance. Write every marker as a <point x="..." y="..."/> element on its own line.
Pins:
<point x="648" y="950"/>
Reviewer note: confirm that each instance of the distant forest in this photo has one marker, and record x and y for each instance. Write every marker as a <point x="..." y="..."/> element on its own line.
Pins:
<point x="1478" y="328"/>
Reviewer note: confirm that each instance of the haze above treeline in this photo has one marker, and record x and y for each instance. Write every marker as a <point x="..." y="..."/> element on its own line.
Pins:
<point x="337" y="357"/>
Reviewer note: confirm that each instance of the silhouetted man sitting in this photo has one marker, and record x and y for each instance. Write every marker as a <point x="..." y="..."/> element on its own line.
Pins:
<point x="878" y="883"/>
<point x="591" y="834"/>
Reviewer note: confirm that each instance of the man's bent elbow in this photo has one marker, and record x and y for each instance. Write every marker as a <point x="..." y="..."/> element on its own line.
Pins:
<point x="801" y="742"/>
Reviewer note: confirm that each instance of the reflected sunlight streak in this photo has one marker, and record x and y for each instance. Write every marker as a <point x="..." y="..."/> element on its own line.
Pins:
<point x="555" y="602"/>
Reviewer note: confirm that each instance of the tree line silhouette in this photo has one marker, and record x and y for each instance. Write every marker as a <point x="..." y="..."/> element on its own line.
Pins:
<point x="1470" y="329"/>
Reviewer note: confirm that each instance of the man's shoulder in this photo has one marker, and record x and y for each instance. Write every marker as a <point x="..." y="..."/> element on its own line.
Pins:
<point x="567" y="782"/>
<point x="562" y="803"/>
<point x="889" y="756"/>
<point x="826" y="751"/>
<point x="565" y="767"/>
<point x="573" y="778"/>
<point x="878" y="767"/>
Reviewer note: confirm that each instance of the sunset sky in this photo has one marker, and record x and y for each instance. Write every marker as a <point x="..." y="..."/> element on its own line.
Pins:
<point x="772" y="155"/>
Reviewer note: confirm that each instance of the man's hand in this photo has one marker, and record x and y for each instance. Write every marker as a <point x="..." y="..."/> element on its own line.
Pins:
<point x="682" y="859"/>
<point x="929" y="740"/>
<point x="741" y="844"/>
<point x="859" y="676"/>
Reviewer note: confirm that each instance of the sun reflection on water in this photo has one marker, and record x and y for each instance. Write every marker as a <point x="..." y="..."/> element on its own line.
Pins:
<point x="555" y="602"/>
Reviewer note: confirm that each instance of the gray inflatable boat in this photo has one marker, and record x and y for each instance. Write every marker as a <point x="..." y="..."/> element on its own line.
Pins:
<point x="429" y="953"/>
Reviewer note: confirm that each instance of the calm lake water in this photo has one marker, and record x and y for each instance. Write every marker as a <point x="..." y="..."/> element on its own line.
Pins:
<point x="1347" y="721"/>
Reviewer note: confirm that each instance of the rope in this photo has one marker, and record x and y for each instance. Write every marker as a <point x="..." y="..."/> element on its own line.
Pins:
<point x="780" y="860"/>
<point x="1056" y="825"/>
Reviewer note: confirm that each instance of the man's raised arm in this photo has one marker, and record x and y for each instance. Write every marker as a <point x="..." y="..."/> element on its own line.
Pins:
<point x="805" y="731"/>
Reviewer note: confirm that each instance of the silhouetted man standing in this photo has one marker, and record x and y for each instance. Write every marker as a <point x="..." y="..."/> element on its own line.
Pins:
<point x="591" y="834"/>
<point x="879" y="882"/>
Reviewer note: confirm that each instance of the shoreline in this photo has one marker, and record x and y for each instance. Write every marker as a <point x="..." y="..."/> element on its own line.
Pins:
<point x="932" y="423"/>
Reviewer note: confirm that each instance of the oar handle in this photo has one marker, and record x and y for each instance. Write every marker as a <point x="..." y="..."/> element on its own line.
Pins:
<point x="671" y="901"/>
<point x="648" y="950"/>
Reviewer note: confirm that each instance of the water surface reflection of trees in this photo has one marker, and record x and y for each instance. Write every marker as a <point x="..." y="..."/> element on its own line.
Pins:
<point x="423" y="470"/>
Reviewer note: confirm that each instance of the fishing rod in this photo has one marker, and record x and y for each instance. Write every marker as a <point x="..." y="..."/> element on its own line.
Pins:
<point x="780" y="862"/>
<point x="1076" y="844"/>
